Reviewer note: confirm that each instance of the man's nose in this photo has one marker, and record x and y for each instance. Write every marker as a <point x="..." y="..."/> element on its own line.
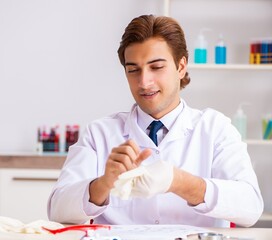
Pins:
<point x="146" y="79"/>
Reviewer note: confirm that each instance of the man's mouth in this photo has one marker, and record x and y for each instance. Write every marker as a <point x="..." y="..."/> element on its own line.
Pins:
<point x="149" y="94"/>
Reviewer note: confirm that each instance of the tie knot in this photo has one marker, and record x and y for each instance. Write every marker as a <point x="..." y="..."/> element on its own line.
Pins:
<point x="154" y="128"/>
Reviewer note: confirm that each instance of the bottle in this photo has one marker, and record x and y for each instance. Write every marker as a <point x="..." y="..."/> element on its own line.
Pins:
<point x="220" y="51"/>
<point x="39" y="147"/>
<point x="240" y="121"/>
<point x="267" y="126"/>
<point x="200" y="52"/>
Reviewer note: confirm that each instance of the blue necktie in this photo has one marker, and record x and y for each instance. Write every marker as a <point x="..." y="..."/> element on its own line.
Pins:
<point x="154" y="128"/>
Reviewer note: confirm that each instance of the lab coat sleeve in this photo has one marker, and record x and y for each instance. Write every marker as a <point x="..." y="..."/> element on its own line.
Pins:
<point x="70" y="204"/>
<point x="232" y="190"/>
<point x="69" y="200"/>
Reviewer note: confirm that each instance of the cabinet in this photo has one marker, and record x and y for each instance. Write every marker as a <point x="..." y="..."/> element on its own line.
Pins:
<point x="26" y="180"/>
<point x="24" y="192"/>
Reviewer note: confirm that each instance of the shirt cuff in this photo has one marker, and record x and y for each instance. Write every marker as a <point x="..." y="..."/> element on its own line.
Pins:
<point x="210" y="198"/>
<point x="92" y="209"/>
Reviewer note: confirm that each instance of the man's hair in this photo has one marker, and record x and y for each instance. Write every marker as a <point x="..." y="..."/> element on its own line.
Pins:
<point x="148" y="26"/>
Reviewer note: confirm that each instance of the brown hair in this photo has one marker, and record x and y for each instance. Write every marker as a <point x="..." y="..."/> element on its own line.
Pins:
<point x="148" y="26"/>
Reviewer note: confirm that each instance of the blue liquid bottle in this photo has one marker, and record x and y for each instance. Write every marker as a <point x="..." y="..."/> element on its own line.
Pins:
<point x="220" y="51"/>
<point x="200" y="52"/>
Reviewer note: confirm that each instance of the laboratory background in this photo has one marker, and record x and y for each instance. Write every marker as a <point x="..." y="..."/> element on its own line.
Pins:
<point x="59" y="70"/>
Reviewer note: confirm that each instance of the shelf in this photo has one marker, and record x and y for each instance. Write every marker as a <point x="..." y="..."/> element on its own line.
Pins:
<point x="230" y="66"/>
<point x="33" y="154"/>
<point x="32" y="161"/>
<point x="258" y="142"/>
<point x="266" y="217"/>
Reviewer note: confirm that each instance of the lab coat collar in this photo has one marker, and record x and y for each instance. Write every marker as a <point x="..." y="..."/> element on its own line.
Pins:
<point x="182" y="127"/>
<point x="133" y="130"/>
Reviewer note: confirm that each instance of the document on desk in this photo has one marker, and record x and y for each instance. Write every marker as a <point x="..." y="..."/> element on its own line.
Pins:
<point x="152" y="232"/>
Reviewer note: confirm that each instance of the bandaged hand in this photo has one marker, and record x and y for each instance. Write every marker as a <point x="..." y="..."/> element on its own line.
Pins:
<point x="144" y="181"/>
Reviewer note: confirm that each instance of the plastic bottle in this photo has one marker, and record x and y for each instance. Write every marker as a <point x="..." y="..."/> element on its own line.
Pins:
<point x="220" y="51"/>
<point x="240" y="120"/>
<point x="200" y="52"/>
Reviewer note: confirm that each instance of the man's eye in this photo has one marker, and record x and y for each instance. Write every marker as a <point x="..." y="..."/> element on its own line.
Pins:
<point x="157" y="67"/>
<point x="132" y="70"/>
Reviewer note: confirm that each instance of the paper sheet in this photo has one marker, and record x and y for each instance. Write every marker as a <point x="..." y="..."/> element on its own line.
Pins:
<point x="152" y="232"/>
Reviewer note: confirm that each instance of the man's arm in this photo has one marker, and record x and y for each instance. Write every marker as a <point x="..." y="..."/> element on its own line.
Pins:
<point x="99" y="191"/>
<point x="191" y="188"/>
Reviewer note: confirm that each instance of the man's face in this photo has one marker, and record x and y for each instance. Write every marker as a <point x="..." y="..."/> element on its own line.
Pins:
<point x="153" y="77"/>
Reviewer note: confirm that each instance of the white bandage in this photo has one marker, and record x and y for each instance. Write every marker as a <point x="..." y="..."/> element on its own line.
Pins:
<point x="144" y="181"/>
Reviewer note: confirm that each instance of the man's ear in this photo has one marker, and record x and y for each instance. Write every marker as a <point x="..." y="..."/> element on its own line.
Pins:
<point x="182" y="68"/>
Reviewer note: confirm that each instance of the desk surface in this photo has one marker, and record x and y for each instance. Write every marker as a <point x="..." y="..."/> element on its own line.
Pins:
<point x="249" y="233"/>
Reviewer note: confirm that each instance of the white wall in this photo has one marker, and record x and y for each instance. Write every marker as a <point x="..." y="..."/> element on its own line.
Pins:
<point x="58" y="60"/>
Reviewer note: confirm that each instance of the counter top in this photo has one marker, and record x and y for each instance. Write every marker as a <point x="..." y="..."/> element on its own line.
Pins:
<point x="235" y="233"/>
<point x="32" y="160"/>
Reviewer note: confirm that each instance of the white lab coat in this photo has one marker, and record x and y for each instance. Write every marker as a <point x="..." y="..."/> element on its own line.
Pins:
<point x="203" y="143"/>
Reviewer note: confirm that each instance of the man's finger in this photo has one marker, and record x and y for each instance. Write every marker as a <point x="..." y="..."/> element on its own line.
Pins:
<point x="142" y="156"/>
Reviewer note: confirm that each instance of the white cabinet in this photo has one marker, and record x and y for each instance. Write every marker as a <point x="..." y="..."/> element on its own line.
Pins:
<point x="24" y="193"/>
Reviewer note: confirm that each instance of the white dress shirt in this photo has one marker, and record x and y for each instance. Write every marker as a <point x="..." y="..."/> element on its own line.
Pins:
<point x="203" y="143"/>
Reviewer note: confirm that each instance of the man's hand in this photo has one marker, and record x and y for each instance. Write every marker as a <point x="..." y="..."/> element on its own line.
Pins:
<point x="144" y="181"/>
<point x="125" y="157"/>
<point x="157" y="179"/>
<point x="160" y="177"/>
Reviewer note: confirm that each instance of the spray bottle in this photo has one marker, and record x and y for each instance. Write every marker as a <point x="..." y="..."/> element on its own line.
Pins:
<point x="240" y="120"/>
<point x="201" y="47"/>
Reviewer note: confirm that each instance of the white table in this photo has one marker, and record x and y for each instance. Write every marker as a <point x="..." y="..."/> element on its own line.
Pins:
<point x="250" y="233"/>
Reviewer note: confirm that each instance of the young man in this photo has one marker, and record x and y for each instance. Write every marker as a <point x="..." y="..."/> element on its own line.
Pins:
<point x="196" y="172"/>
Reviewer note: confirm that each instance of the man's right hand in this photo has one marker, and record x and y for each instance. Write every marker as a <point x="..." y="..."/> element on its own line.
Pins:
<point x="125" y="157"/>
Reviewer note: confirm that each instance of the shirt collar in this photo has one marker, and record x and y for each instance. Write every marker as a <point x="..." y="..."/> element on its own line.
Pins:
<point x="144" y="120"/>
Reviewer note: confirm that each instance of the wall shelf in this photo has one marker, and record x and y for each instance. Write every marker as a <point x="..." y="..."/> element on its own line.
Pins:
<point x="261" y="67"/>
<point x="258" y="142"/>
